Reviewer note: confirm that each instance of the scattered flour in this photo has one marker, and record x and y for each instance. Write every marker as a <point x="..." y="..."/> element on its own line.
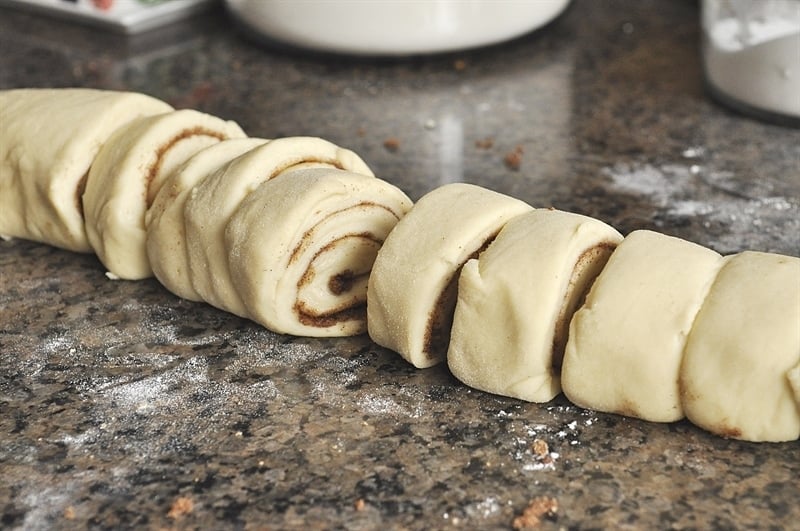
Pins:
<point x="716" y="198"/>
<point x="485" y="508"/>
<point x="43" y="504"/>
<point x="382" y="405"/>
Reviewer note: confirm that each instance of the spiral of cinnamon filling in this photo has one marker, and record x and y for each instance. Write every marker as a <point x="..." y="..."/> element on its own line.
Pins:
<point x="127" y="174"/>
<point x="215" y="200"/>
<point x="330" y="290"/>
<point x="301" y="248"/>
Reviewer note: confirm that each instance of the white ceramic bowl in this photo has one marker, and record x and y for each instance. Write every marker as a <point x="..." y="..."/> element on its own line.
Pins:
<point x="394" y="27"/>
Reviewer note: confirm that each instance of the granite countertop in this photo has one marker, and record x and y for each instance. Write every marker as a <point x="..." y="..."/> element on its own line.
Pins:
<point x="124" y="406"/>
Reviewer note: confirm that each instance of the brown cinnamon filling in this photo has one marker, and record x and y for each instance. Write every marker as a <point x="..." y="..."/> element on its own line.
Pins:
<point x="307" y="235"/>
<point x="164" y="148"/>
<point x="357" y="312"/>
<point x="287" y="165"/>
<point x="350" y="310"/>
<point x="79" y="192"/>
<point x="440" y="320"/>
<point x="594" y="257"/>
<point x="720" y="429"/>
<point x="342" y="282"/>
<point x="726" y="431"/>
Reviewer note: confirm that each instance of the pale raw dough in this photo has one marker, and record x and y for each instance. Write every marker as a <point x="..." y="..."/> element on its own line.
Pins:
<point x="127" y="174"/>
<point x="412" y="289"/>
<point x="48" y="140"/>
<point x="214" y="200"/>
<point x="626" y="343"/>
<point x="166" y="235"/>
<point x="301" y="247"/>
<point x="515" y="302"/>
<point x="744" y="342"/>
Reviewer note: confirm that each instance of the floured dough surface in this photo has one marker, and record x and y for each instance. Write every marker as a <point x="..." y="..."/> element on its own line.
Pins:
<point x="301" y="247"/>
<point x="626" y="343"/>
<point x="214" y="200"/>
<point x="48" y="141"/>
<point x="744" y="342"/>
<point x="166" y="234"/>
<point x="127" y="174"/>
<point x="515" y="302"/>
<point x="412" y="289"/>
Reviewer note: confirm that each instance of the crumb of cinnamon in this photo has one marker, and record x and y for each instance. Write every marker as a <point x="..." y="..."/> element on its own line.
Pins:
<point x="180" y="507"/>
<point x="485" y="143"/>
<point x="541" y="506"/>
<point x="392" y="144"/>
<point x="361" y="131"/>
<point x="513" y="159"/>
<point x="360" y="504"/>
<point x="69" y="513"/>
<point x="540" y="448"/>
<point x="459" y="65"/>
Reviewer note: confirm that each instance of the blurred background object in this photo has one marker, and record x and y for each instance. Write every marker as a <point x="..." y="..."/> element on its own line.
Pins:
<point x="393" y="27"/>
<point x="125" y="16"/>
<point x="751" y="54"/>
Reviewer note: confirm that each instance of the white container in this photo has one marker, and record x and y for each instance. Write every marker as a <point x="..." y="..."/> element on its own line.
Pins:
<point x="751" y="55"/>
<point x="393" y="27"/>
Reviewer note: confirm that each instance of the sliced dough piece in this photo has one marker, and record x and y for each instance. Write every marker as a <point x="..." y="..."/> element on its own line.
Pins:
<point x="48" y="140"/>
<point x="166" y="235"/>
<point x="127" y="174"/>
<point x="301" y="247"/>
<point x="413" y="285"/>
<point x="214" y="200"/>
<point x="743" y="343"/>
<point x="626" y="343"/>
<point x="515" y="302"/>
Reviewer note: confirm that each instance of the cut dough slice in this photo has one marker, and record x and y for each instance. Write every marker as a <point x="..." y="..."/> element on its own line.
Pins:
<point x="214" y="200"/>
<point x="301" y="247"/>
<point x="412" y="288"/>
<point x="744" y="342"/>
<point x="166" y="235"/>
<point x="127" y="174"/>
<point x="626" y="343"/>
<point x="515" y="302"/>
<point x="48" y="140"/>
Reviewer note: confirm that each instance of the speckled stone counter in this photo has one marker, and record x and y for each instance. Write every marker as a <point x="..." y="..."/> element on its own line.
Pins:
<point x="122" y="406"/>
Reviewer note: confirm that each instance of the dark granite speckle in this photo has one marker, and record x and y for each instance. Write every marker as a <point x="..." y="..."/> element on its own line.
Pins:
<point x="117" y="398"/>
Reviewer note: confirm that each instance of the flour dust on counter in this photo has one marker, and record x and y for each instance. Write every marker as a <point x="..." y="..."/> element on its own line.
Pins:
<point x="136" y="399"/>
<point x="735" y="213"/>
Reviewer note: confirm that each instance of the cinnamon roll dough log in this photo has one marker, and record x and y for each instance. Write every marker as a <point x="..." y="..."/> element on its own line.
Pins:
<point x="214" y="200"/>
<point x="626" y="342"/>
<point x="744" y="342"/>
<point x="127" y="174"/>
<point x="515" y="302"/>
<point x="48" y="140"/>
<point x="301" y="247"/>
<point x="412" y="288"/>
<point x="166" y="235"/>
